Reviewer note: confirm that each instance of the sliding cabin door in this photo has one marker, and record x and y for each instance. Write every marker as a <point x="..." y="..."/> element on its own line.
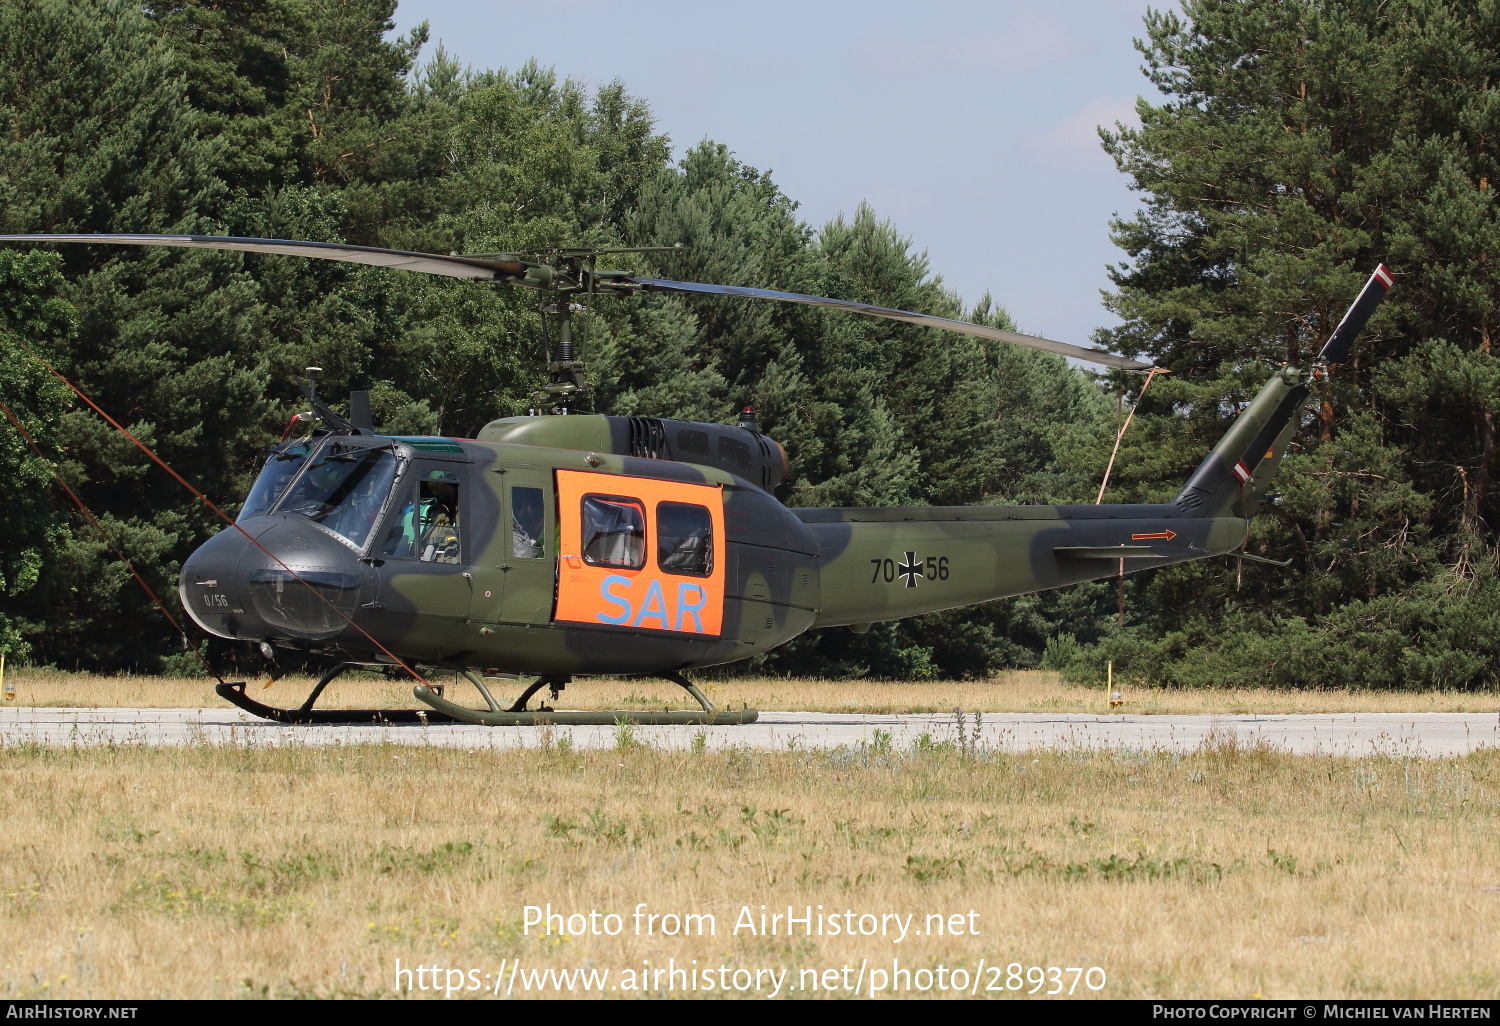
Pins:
<point x="518" y="581"/>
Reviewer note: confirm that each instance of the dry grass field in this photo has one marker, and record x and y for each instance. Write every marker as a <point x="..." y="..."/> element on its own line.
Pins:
<point x="1020" y="691"/>
<point x="298" y="871"/>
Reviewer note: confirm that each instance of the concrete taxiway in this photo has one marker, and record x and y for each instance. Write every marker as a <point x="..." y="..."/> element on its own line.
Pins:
<point x="1423" y="735"/>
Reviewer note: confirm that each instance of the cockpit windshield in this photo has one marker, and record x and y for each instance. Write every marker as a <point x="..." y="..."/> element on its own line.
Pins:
<point x="283" y="465"/>
<point x="344" y="490"/>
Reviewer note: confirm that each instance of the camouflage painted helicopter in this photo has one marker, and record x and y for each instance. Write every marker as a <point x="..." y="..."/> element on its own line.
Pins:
<point x="564" y="543"/>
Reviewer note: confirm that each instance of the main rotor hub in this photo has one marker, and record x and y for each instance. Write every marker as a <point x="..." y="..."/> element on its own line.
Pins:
<point x="566" y="273"/>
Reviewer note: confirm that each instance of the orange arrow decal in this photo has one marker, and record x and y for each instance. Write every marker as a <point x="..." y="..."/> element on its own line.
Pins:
<point x="1167" y="535"/>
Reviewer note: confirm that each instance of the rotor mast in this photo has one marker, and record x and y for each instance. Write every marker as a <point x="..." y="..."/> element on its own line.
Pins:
<point x="566" y="387"/>
<point x="566" y="276"/>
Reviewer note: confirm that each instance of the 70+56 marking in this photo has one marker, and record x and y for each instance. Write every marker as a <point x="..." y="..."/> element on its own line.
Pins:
<point x="912" y="569"/>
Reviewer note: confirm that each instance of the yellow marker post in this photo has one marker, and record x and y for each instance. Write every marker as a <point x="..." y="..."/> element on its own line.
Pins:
<point x="10" y="689"/>
<point x="1115" y="701"/>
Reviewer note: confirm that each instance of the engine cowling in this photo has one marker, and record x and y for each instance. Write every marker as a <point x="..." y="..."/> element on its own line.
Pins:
<point x="740" y="450"/>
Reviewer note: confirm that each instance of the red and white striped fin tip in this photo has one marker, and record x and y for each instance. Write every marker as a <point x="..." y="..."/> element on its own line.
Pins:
<point x="1241" y="473"/>
<point x="1384" y="276"/>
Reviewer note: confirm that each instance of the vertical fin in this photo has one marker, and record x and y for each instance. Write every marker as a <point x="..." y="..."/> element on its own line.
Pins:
<point x="1225" y="482"/>
<point x="1216" y="487"/>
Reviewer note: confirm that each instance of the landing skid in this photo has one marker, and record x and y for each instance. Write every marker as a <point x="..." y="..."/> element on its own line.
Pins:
<point x="518" y="715"/>
<point x="305" y="713"/>
<point x="441" y="710"/>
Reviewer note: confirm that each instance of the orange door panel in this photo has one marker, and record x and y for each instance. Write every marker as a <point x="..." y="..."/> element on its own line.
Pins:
<point x="616" y="576"/>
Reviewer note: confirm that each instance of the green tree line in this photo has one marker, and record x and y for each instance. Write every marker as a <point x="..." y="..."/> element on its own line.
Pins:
<point x="310" y="119"/>
<point x="1292" y="145"/>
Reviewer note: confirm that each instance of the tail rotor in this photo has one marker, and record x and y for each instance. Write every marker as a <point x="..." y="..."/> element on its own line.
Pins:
<point x="1336" y="349"/>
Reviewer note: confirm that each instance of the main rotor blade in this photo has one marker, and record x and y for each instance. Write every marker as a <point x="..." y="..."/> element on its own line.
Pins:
<point x="478" y="268"/>
<point x="492" y="268"/>
<point x="925" y="320"/>
<point x="1336" y="349"/>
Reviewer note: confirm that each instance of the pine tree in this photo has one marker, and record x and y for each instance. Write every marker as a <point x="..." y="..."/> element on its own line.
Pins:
<point x="99" y="138"/>
<point x="1300" y="142"/>
<point x="32" y="523"/>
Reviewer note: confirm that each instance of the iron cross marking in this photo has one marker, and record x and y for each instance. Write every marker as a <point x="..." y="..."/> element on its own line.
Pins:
<point x="911" y="570"/>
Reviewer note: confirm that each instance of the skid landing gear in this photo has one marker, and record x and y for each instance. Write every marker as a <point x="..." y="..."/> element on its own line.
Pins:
<point x="518" y="715"/>
<point x="305" y="713"/>
<point x="441" y="710"/>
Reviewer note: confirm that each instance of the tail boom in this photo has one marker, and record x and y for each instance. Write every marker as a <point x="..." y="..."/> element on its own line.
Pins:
<point x="885" y="564"/>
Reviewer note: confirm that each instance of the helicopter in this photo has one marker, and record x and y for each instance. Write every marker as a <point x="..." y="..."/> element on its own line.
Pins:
<point x="565" y="543"/>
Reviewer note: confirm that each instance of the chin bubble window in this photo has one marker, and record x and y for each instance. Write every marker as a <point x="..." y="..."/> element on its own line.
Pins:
<point x="614" y="532"/>
<point x="684" y="539"/>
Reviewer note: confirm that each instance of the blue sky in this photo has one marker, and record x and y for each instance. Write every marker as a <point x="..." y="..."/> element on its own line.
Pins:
<point x="969" y="125"/>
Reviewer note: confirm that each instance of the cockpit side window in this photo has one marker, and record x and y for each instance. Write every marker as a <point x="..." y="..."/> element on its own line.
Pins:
<point x="424" y="522"/>
<point x="344" y="490"/>
<point x="403" y="529"/>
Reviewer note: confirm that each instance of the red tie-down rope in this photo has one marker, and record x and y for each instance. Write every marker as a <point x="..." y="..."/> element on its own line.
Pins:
<point x="217" y="511"/>
<point x="1120" y="436"/>
<point x="187" y="642"/>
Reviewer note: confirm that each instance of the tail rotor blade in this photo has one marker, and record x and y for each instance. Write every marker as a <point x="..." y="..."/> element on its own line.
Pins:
<point x="1336" y="349"/>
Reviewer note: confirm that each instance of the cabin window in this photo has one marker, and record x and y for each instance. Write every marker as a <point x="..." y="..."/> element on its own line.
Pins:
<point x="684" y="539"/>
<point x="614" y="532"/>
<point x="526" y="518"/>
<point x="425" y="522"/>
